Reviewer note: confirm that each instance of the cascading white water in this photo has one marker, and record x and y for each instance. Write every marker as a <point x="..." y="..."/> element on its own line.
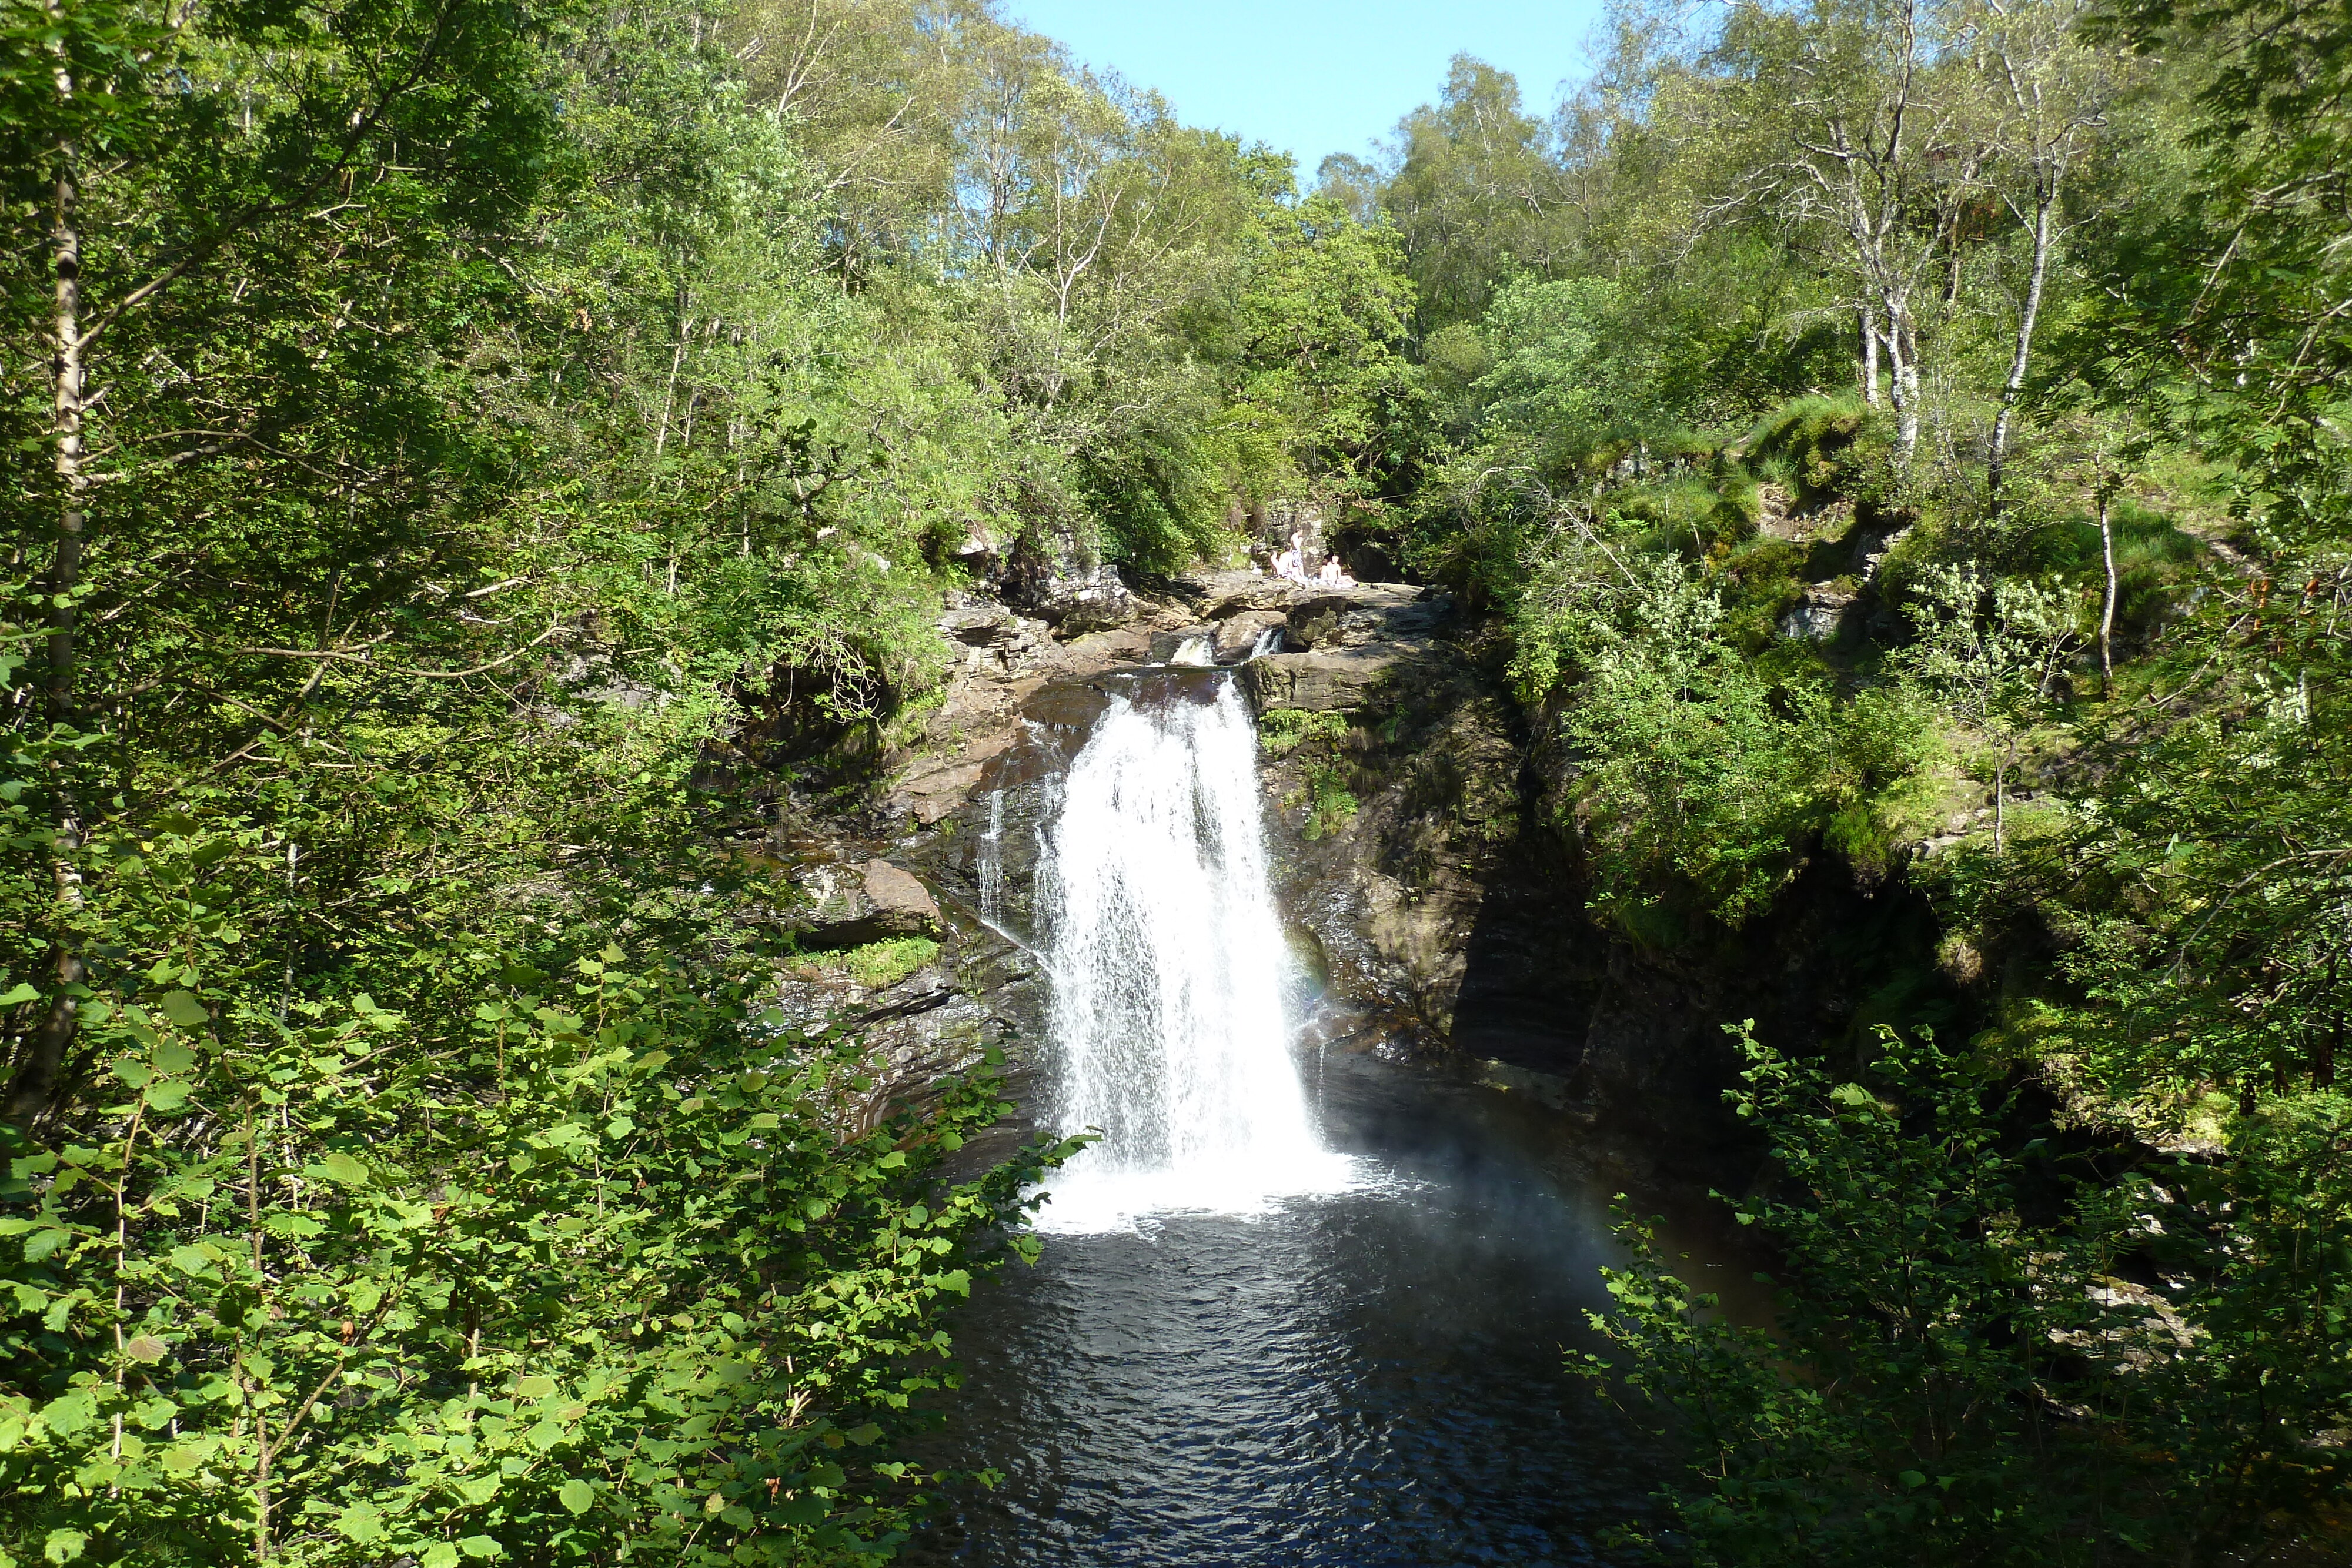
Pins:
<point x="1167" y="961"/>
<point x="1196" y="650"/>
<point x="991" y="860"/>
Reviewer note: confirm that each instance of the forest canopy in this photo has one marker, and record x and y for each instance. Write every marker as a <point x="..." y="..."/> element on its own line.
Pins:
<point x="471" y="457"/>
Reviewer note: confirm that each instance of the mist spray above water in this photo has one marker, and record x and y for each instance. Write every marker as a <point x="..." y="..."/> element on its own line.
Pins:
<point x="1167" y="957"/>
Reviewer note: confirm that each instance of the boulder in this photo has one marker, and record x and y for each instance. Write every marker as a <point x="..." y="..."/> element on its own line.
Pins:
<point x="901" y="905"/>
<point x="928" y="797"/>
<point x="1078" y="601"/>
<point x="1232" y="593"/>
<point x="857" y="906"/>
<point x="1817" y="615"/>
<point x="1337" y="681"/>
<point x="1352" y="643"/>
<point x="982" y="625"/>
<point x="1238" y="636"/>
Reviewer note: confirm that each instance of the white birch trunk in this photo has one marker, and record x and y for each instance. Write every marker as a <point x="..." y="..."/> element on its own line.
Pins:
<point x="2046" y="199"/>
<point x="36" y="1078"/>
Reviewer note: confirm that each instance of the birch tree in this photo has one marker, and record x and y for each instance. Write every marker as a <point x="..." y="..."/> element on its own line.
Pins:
<point x="1857" y="126"/>
<point x="2053" y="91"/>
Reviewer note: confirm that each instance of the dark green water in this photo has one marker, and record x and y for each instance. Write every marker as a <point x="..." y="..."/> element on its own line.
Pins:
<point x="1370" y="1380"/>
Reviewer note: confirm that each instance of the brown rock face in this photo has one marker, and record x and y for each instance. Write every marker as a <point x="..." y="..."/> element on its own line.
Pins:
<point x="1357" y="644"/>
<point x="1005" y="661"/>
<point x="901" y="906"/>
<point x="886" y="902"/>
<point x="1238" y="635"/>
<point x="1341" y="681"/>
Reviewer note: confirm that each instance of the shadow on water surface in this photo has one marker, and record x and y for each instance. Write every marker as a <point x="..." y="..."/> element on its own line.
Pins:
<point x="1370" y="1380"/>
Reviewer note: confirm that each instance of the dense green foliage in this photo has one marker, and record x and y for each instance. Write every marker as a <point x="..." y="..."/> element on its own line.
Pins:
<point x="444" y="426"/>
<point x="1986" y="1379"/>
<point x="538" y="1288"/>
<point x="1962" y="502"/>
<point x="471" y="454"/>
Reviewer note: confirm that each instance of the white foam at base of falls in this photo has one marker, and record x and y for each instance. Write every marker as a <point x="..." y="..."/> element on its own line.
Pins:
<point x="1169" y="1023"/>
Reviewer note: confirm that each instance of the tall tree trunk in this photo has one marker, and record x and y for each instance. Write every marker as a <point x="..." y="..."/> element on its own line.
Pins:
<point x="1869" y="357"/>
<point x="2000" y="804"/>
<point x="2107" y="610"/>
<point x="36" y="1076"/>
<point x="2045" y="198"/>
<point x="1903" y="382"/>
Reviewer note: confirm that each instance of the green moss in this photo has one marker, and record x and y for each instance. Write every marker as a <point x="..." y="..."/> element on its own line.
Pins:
<point x="881" y="964"/>
<point x="1284" y="730"/>
<point x="1814" y="442"/>
<point x="1329" y="805"/>
<point x="878" y="965"/>
<point x="1760" y="582"/>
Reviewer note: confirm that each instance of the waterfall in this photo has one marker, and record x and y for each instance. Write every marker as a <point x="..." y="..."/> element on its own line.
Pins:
<point x="991" y="860"/>
<point x="1196" y="650"/>
<point x="1167" y="1021"/>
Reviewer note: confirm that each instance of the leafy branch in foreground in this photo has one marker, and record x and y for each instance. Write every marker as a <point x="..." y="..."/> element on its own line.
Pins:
<point x="616" y="1267"/>
<point x="1967" y="1368"/>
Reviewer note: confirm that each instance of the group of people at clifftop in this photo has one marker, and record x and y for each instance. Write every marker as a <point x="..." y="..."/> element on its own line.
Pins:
<point x="1292" y="563"/>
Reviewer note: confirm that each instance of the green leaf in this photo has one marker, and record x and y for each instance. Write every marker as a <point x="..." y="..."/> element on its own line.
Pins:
<point x="341" y="1167"/>
<point x="361" y="1522"/>
<point x="183" y="1008"/>
<point x="64" y="1545"/>
<point x="18" y="994"/>
<point x="481" y="1546"/>
<point x="576" y="1495"/>
<point x="440" y="1555"/>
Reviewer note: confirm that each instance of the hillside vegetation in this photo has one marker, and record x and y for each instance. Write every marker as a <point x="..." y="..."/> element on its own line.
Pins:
<point x="460" y="445"/>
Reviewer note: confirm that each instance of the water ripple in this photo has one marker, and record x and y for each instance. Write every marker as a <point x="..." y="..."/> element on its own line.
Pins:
<point x="1371" y="1379"/>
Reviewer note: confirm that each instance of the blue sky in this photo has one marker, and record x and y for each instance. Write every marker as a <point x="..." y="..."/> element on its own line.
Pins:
<point x="1314" y="77"/>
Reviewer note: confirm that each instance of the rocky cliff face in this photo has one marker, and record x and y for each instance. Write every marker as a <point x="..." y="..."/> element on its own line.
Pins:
<point x="1440" y="906"/>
